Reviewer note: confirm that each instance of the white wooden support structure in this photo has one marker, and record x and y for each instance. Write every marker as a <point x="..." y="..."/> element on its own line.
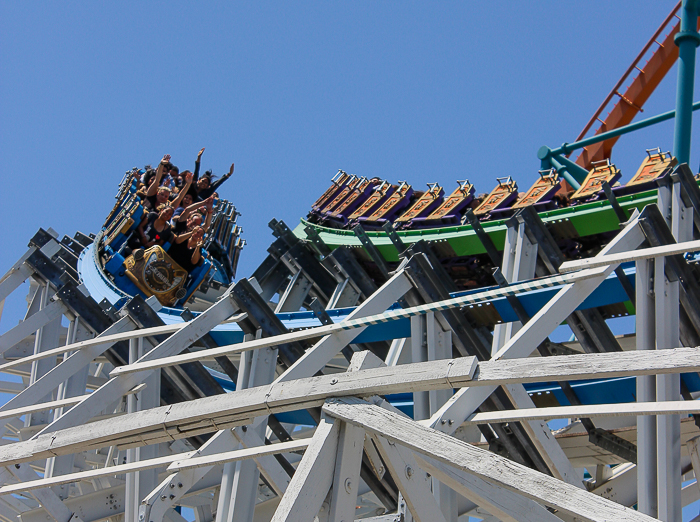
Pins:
<point x="439" y="476"/>
<point x="495" y="469"/>
<point x="540" y="326"/>
<point x="237" y="502"/>
<point x="519" y="261"/>
<point x="646" y="390"/>
<point x="307" y="490"/>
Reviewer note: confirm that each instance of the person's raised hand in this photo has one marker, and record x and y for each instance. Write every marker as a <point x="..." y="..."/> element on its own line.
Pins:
<point x="199" y="156"/>
<point x="166" y="159"/>
<point x="188" y="178"/>
<point x="229" y="172"/>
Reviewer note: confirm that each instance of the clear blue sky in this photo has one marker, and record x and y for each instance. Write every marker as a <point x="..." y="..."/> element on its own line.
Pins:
<point x="292" y="91"/>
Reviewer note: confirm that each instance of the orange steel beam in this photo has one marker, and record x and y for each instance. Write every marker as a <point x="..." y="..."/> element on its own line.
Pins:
<point x="632" y="101"/>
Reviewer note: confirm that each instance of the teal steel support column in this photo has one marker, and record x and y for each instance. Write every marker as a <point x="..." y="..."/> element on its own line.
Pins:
<point x="577" y="171"/>
<point x="567" y="169"/>
<point x="687" y="40"/>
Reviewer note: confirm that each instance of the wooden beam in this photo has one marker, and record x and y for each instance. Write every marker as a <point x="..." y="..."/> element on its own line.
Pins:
<point x="322" y="331"/>
<point x="176" y="462"/>
<point x="484" y="464"/>
<point x="51" y="405"/>
<point x="108" y="340"/>
<point x="634" y="255"/>
<point x="190" y="462"/>
<point x="312" y="480"/>
<point x="587" y="410"/>
<point x="346" y="478"/>
<point x="500" y="502"/>
<point x="31" y="324"/>
<point x="413" y="482"/>
<point x="240" y="407"/>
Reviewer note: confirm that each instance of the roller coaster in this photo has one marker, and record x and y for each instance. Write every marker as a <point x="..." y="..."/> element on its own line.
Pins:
<point x="390" y="359"/>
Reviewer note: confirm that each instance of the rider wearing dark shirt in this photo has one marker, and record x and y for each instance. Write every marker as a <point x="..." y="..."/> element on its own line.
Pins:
<point x="154" y="229"/>
<point x="188" y="252"/>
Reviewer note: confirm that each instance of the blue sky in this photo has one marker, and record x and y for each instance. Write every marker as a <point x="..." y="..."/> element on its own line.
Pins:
<point x="293" y="91"/>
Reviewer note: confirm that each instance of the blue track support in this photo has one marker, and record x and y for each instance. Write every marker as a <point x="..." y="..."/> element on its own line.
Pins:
<point x="687" y="40"/>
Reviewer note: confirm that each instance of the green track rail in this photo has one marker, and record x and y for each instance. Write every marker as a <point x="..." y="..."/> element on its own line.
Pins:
<point x="588" y="219"/>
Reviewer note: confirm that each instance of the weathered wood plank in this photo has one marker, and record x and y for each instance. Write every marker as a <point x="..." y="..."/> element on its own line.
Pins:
<point x="587" y="410"/>
<point x="585" y="366"/>
<point x="311" y="482"/>
<point x="413" y="482"/>
<point x="488" y="466"/>
<point x="634" y="255"/>
<point x="321" y="331"/>
<point x="500" y="502"/>
<point x="214" y="413"/>
<point x="190" y="462"/>
<point x="176" y="462"/>
<point x="346" y="479"/>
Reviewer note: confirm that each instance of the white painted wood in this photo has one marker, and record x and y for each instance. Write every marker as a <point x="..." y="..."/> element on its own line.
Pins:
<point x="668" y="428"/>
<point x="695" y="456"/>
<point x="13" y="278"/>
<point x="502" y="332"/>
<point x="274" y="474"/>
<point x="412" y="481"/>
<point x="646" y="389"/>
<point x="587" y="410"/>
<point x="321" y="331"/>
<point x="413" y="377"/>
<point x="486" y="465"/>
<point x="116" y="387"/>
<point x="154" y="508"/>
<point x="65" y="369"/>
<point x="501" y="502"/>
<point x="315" y="358"/>
<point x="213" y="413"/>
<point x="307" y="490"/>
<point x="119" y="469"/>
<point x="132" y="454"/>
<point x="551" y="315"/>
<point x="346" y="478"/>
<point x="634" y="255"/>
<point x="43" y="406"/>
<point x="584" y="366"/>
<point x="518" y="264"/>
<point x="174" y="462"/>
<point x="485" y="487"/>
<point x="365" y="360"/>
<point x="148" y="397"/>
<point x="419" y="353"/>
<point x="31" y="324"/>
<point x="383" y="518"/>
<point x="191" y="461"/>
<point x="396" y="351"/>
<point x="244" y="488"/>
<point x="542" y="438"/>
<point x="47" y="498"/>
<point x="103" y="341"/>
<point x="20" y="271"/>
